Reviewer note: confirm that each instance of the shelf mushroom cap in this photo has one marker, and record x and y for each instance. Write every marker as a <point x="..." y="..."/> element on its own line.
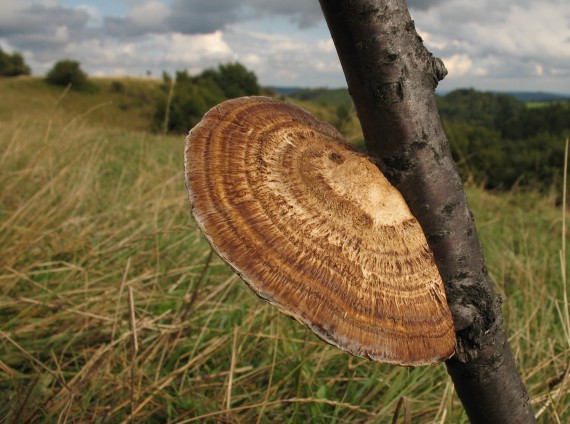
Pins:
<point x="315" y="229"/>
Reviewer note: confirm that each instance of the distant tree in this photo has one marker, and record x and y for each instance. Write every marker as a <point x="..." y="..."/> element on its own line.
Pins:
<point x="13" y="65"/>
<point x="187" y="107"/>
<point x="69" y="72"/>
<point x="183" y="77"/>
<point x="211" y="90"/>
<point x="479" y="153"/>
<point x="234" y="79"/>
<point x="551" y="119"/>
<point x="183" y="103"/>
<point x="478" y="108"/>
<point x="499" y="142"/>
<point x="537" y="162"/>
<point x="166" y="78"/>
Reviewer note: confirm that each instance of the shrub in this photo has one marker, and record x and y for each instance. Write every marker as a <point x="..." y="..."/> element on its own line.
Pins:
<point x="69" y="72"/>
<point x="117" y="87"/>
<point x="13" y="65"/>
<point x="182" y="105"/>
<point x="234" y="79"/>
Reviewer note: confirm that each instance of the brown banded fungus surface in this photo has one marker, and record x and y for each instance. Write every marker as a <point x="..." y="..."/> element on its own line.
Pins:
<point x="315" y="229"/>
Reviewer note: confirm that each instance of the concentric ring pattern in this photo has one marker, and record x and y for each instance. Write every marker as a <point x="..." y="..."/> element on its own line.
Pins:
<point x="315" y="229"/>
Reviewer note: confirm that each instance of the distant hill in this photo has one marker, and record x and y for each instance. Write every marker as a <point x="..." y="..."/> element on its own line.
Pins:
<point x="535" y="96"/>
<point x="337" y="96"/>
<point x="523" y="96"/>
<point x="323" y="95"/>
<point x="126" y="103"/>
<point x="284" y="91"/>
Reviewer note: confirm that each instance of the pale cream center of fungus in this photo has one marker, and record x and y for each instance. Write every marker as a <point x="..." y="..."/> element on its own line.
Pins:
<point x="355" y="178"/>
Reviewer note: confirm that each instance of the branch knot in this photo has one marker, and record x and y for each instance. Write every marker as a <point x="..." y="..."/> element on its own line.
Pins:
<point x="438" y="70"/>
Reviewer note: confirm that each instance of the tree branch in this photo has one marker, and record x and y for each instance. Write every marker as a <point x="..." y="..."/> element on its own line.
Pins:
<point x="391" y="77"/>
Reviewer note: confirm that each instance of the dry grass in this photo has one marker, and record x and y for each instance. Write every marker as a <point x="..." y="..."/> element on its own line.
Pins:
<point x="113" y="309"/>
<point x="126" y="103"/>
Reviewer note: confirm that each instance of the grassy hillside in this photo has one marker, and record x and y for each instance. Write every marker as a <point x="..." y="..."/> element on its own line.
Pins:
<point x="126" y="103"/>
<point x="113" y="309"/>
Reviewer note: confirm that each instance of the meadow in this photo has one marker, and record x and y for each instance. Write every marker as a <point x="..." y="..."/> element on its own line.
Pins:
<point x="113" y="308"/>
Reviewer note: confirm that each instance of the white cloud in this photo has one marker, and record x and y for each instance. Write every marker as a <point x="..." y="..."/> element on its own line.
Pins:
<point x="507" y="41"/>
<point x="458" y="64"/>
<point x="49" y="3"/>
<point x="537" y="30"/>
<point x="560" y="71"/>
<point x="156" y="53"/>
<point x="184" y="49"/>
<point x="287" y="59"/>
<point x="326" y="45"/>
<point x="251" y="60"/>
<point x="61" y="33"/>
<point x="481" y="71"/>
<point x="10" y="9"/>
<point x="95" y="17"/>
<point x="485" y="44"/>
<point x="148" y="13"/>
<point x="433" y="40"/>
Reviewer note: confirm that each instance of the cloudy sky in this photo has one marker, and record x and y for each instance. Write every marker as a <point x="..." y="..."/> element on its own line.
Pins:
<point x="487" y="44"/>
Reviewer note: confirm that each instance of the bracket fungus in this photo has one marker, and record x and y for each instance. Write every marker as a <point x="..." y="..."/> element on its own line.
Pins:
<point x="315" y="229"/>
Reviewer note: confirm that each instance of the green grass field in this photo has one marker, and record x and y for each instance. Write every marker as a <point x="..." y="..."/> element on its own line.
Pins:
<point x="113" y="308"/>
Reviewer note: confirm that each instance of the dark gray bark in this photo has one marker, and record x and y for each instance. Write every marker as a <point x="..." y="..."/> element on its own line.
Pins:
<point x="392" y="77"/>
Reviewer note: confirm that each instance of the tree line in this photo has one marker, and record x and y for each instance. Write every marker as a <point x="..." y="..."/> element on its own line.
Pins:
<point x="497" y="141"/>
<point x="500" y="142"/>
